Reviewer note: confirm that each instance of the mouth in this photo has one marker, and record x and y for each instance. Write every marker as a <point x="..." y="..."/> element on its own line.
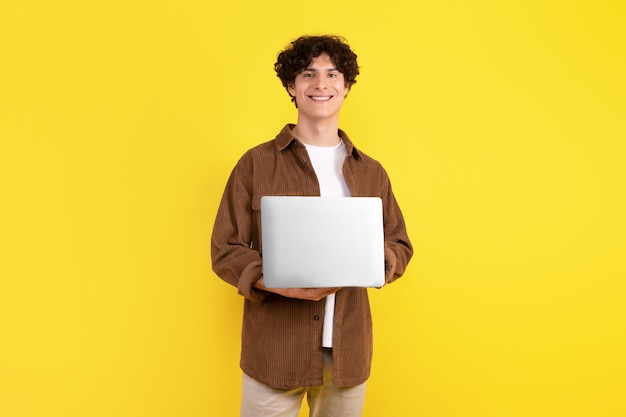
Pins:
<point x="320" y="98"/>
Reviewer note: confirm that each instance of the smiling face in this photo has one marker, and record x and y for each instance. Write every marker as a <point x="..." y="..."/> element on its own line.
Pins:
<point x="319" y="90"/>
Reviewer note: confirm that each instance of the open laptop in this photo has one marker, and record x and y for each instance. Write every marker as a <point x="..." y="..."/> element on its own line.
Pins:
<point x="315" y="242"/>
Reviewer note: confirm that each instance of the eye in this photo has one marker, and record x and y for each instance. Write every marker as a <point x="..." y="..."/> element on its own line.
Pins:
<point x="307" y="75"/>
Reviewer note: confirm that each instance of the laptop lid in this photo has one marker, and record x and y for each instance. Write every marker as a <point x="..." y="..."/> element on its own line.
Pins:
<point x="315" y="242"/>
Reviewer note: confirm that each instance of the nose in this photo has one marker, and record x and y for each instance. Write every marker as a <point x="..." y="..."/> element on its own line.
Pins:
<point x="320" y="82"/>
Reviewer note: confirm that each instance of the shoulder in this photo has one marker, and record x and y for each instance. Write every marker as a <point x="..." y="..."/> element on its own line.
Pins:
<point x="359" y="157"/>
<point x="269" y="146"/>
<point x="257" y="157"/>
<point x="367" y="159"/>
<point x="368" y="163"/>
<point x="260" y="152"/>
<point x="272" y="147"/>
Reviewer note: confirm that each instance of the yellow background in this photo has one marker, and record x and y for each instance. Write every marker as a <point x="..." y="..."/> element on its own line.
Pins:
<point x="501" y="124"/>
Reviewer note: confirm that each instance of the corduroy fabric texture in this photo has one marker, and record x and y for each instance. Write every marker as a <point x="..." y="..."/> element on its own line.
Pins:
<point x="281" y="337"/>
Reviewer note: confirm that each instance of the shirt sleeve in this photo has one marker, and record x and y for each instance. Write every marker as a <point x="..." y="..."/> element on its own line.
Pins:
<point x="398" y="247"/>
<point x="233" y="257"/>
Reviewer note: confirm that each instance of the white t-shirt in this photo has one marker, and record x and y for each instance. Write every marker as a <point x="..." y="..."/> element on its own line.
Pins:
<point x="327" y="162"/>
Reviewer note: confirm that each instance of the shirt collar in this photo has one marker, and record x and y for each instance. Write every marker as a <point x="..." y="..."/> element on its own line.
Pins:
<point x="285" y="138"/>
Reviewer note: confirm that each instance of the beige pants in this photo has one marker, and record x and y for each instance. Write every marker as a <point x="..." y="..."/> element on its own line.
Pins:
<point x="260" y="400"/>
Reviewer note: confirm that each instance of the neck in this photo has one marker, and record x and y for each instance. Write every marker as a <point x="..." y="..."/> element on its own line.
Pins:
<point x="317" y="134"/>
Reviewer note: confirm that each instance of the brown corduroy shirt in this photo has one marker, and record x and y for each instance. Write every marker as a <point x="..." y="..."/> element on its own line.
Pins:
<point x="282" y="337"/>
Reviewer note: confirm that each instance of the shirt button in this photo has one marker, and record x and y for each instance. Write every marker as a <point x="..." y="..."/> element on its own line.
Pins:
<point x="316" y="317"/>
<point x="304" y="162"/>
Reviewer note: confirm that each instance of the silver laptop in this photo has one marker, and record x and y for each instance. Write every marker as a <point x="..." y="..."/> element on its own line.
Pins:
<point x="315" y="242"/>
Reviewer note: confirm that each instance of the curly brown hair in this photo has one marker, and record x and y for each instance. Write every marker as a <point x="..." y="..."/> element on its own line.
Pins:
<point x="299" y="54"/>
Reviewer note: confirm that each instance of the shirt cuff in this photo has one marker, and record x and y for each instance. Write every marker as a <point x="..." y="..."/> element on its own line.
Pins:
<point x="390" y="265"/>
<point x="251" y="274"/>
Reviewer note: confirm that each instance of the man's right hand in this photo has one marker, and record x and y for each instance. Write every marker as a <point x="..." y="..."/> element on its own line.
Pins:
<point x="311" y="294"/>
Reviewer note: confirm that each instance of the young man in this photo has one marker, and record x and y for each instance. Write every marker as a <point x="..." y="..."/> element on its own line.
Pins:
<point x="304" y="341"/>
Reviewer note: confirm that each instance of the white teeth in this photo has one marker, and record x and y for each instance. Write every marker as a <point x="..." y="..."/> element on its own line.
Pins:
<point x="320" y="98"/>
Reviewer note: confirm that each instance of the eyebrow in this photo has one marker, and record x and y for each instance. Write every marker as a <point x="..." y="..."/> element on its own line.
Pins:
<point x="314" y="70"/>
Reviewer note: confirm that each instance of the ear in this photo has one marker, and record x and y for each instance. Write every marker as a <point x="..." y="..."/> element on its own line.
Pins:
<point x="291" y="89"/>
